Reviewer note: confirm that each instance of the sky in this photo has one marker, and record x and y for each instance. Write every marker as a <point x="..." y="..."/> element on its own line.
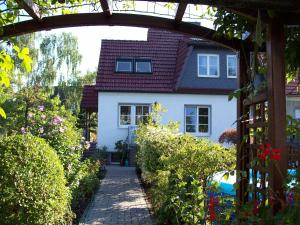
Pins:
<point x="89" y="40"/>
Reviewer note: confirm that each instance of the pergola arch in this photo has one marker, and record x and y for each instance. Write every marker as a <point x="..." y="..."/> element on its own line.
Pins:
<point x="287" y="12"/>
<point x="120" y="19"/>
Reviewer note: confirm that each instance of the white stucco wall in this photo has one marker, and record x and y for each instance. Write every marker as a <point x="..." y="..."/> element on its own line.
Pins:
<point x="223" y="112"/>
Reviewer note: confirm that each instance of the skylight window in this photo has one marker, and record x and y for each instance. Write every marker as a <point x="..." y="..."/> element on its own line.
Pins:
<point x="124" y="65"/>
<point x="131" y="65"/>
<point x="143" y="66"/>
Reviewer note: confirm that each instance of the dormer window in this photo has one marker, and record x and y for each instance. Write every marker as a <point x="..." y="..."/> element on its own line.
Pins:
<point x="231" y="66"/>
<point x="143" y="66"/>
<point x="208" y="65"/>
<point x="124" y="66"/>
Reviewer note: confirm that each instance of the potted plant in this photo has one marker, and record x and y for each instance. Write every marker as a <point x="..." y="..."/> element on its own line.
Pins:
<point x="122" y="147"/>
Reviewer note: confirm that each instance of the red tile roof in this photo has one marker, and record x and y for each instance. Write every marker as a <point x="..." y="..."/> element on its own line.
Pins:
<point x="166" y="50"/>
<point x="89" y="100"/>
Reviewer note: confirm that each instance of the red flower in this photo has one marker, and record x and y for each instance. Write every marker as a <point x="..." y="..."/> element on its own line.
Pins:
<point x="265" y="151"/>
<point x="213" y="201"/>
<point x="276" y="154"/>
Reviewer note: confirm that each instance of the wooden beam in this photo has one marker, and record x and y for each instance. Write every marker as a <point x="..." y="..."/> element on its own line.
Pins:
<point x="120" y="19"/>
<point x="181" y="7"/>
<point x="242" y="151"/>
<point x="277" y="106"/>
<point x="31" y="8"/>
<point x="105" y="5"/>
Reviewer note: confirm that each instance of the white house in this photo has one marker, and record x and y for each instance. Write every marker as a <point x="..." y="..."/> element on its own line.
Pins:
<point x="191" y="78"/>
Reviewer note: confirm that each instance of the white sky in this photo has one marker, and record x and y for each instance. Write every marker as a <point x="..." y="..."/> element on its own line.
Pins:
<point x="89" y="40"/>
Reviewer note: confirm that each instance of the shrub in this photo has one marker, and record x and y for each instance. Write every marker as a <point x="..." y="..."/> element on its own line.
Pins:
<point x="179" y="169"/>
<point x="32" y="183"/>
<point x="85" y="184"/>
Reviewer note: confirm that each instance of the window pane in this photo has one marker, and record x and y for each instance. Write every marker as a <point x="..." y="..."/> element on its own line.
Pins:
<point x="139" y="110"/>
<point x="125" y="110"/>
<point x="125" y="120"/>
<point x="143" y="67"/>
<point x="297" y="113"/>
<point x="202" y="70"/>
<point x="124" y="66"/>
<point x="213" y="71"/>
<point x="203" y="111"/>
<point x="203" y="128"/>
<point x="203" y="119"/>
<point x="213" y="61"/>
<point x="146" y="110"/>
<point x="191" y="120"/>
<point x="190" y="128"/>
<point x="232" y="72"/>
<point x="191" y="111"/>
<point x="202" y="60"/>
<point x="231" y="61"/>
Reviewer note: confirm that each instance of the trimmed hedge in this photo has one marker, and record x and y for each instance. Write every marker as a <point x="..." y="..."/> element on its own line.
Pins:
<point x="32" y="184"/>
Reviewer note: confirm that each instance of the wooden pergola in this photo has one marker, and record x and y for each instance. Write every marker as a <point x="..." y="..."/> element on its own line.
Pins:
<point x="265" y="112"/>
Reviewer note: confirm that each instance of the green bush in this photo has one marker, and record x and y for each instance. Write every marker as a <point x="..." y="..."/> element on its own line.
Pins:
<point x="32" y="184"/>
<point x="179" y="169"/>
<point x="85" y="184"/>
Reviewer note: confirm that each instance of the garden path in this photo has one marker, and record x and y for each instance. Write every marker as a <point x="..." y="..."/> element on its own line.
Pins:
<point x="120" y="200"/>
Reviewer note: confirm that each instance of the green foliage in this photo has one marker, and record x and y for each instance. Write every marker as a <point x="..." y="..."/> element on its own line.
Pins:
<point x="32" y="111"/>
<point x="293" y="127"/>
<point x="32" y="184"/>
<point x="85" y="184"/>
<point x="179" y="169"/>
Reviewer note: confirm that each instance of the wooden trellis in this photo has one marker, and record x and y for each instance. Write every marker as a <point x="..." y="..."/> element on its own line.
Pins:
<point x="264" y="113"/>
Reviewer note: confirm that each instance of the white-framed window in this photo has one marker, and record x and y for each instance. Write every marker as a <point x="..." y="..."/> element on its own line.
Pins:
<point x="133" y="114"/>
<point x="198" y="120"/>
<point x="124" y="115"/>
<point x="124" y="66"/>
<point x="231" y="66"/>
<point x="208" y="65"/>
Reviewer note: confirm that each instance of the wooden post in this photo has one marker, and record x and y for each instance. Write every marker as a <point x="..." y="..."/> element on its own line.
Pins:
<point x="242" y="154"/>
<point x="277" y="105"/>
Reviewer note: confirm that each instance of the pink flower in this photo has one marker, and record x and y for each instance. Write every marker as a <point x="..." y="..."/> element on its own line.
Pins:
<point x="61" y="130"/>
<point x="43" y="116"/>
<point x="41" y="130"/>
<point x="30" y="115"/>
<point x="41" y="108"/>
<point x="57" y="120"/>
<point x="23" y="130"/>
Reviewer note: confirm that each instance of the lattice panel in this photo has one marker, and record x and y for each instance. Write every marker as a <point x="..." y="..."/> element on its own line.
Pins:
<point x="256" y="132"/>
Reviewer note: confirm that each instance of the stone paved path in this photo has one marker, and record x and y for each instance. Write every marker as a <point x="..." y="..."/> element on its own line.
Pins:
<point x="119" y="200"/>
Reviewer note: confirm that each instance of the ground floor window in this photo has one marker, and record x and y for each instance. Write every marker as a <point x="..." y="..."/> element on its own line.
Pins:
<point x="133" y="114"/>
<point x="197" y="119"/>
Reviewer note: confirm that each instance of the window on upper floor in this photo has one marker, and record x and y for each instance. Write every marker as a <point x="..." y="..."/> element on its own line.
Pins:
<point x="208" y="65"/>
<point x="133" y="114"/>
<point x="197" y="120"/>
<point x="139" y="66"/>
<point x="124" y="65"/>
<point x="143" y="66"/>
<point x="231" y="66"/>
